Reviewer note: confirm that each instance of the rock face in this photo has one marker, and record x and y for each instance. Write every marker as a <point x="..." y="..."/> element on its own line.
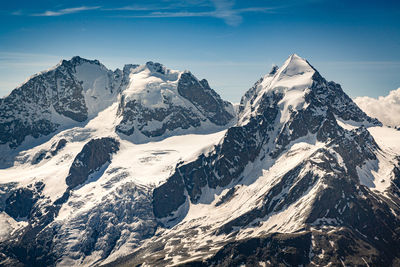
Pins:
<point x="204" y="98"/>
<point x="46" y="154"/>
<point x="176" y="117"/>
<point x="160" y="101"/>
<point x="19" y="203"/>
<point x="70" y="90"/>
<point x="124" y="218"/>
<point x="93" y="156"/>
<point x="293" y="249"/>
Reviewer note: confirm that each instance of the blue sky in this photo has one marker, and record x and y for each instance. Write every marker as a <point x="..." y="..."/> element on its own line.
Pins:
<point x="230" y="43"/>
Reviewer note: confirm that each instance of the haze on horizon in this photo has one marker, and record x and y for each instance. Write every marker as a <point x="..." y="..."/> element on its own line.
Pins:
<point x="229" y="43"/>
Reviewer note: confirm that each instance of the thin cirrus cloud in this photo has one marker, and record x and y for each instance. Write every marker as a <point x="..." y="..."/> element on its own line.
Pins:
<point x="221" y="9"/>
<point x="65" y="11"/>
<point x="232" y="17"/>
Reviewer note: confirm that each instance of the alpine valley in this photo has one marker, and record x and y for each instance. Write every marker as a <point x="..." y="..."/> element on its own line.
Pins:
<point x="148" y="166"/>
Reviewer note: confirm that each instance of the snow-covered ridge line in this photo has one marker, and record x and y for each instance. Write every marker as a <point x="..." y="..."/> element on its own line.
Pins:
<point x="78" y="89"/>
<point x="297" y="80"/>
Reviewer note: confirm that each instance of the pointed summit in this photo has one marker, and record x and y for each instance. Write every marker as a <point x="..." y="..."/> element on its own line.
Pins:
<point x="295" y="65"/>
<point x="297" y="84"/>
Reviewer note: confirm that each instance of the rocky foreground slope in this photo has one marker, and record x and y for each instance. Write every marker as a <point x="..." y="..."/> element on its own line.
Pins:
<point x="159" y="177"/>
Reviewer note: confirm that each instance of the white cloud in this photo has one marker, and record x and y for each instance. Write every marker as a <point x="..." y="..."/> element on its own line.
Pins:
<point x="385" y="108"/>
<point x="60" y="12"/>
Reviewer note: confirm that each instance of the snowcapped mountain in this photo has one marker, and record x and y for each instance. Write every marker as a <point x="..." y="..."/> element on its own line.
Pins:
<point x="158" y="101"/>
<point x="152" y="98"/>
<point x="159" y="176"/>
<point x="72" y="91"/>
<point x="102" y="124"/>
<point x="305" y="177"/>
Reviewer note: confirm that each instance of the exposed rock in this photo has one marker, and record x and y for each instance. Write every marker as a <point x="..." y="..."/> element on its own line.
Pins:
<point x="170" y="118"/>
<point x="45" y="154"/>
<point x="163" y="101"/>
<point x="94" y="155"/>
<point x="228" y="196"/>
<point x="272" y="250"/>
<point x="56" y="148"/>
<point x="174" y="191"/>
<point x="42" y="104"/>
<point x="20" y="201"/>
<point x="204" y="98"/>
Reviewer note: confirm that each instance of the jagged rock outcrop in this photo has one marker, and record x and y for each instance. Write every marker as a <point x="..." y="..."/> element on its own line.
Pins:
<point x="159" y="101"/>
<point x="74" y="89"/>
<point x="93" y="156"/>
<point x="47" y="154"/>
<point x="204" y="98"/>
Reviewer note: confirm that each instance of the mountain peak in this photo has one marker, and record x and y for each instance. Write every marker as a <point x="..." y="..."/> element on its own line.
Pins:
<point x="295" y="65"/>
<point x="297" y="85"/>
<point x="77" y="60"/>
<point x="156" y="67"/>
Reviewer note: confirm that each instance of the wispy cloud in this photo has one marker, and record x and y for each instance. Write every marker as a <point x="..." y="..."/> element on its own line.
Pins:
<point x="17" y="13"/>
<point x="163" y="5"/>
<point x="65" y="11"/>
<point x="221" y="9"/>
<point x="224" y="10"/>
<point x="232" y="18"/>
<point x="136" y="8"/>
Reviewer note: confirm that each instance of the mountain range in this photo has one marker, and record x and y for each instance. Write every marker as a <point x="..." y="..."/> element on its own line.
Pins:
<point x="148" y="166"/>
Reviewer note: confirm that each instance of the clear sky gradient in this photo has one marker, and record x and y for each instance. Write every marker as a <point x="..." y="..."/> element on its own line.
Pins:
<point x="230" y="43"/>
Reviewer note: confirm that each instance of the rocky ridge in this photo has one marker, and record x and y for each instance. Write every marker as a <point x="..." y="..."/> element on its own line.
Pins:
<point x="76" y="90"/>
